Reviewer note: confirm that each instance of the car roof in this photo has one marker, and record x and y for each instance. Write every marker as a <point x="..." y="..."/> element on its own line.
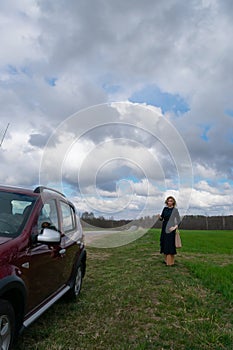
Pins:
<point x="18" y="190"/>
<point x="47" y="191"/>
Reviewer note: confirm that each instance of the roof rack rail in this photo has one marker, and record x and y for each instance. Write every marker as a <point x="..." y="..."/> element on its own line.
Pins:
<point x="40" y="189"/>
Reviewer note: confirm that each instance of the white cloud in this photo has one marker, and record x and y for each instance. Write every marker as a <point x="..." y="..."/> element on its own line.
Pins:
<point x="19" y="33"/>
<point x="203" y="186"/>
<point x="59" y="57"/>
<point x="205" y="172"/>
<point x="211" y="203"/>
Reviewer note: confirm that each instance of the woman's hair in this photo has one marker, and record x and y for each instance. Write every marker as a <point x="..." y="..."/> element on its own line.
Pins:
<point x="170" y="197"/>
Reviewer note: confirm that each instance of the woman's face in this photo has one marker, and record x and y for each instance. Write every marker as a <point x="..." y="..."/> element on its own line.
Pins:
<point x="170" y="202"/>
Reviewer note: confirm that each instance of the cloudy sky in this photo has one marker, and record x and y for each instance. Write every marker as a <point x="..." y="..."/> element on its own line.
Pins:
<point x="119" y="103"/>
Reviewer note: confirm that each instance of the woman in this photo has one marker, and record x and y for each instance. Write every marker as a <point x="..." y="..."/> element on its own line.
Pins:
<point x="171" y="220"/>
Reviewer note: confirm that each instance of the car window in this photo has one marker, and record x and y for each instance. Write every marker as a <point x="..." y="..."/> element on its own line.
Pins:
<point x="68" y="217"/>
<point x="19" y="206"/>
<point x="48" y="216"/>
<point x="13" y="212"/>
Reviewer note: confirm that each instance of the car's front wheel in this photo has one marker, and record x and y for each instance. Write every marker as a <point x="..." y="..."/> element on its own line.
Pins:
<point x="7" y="325"/>
<point x="77" y="283"/>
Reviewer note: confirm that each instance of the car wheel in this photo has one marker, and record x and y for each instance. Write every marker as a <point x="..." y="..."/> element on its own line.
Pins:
<point x="7" y="325"/>
<point x="77" y="283"/>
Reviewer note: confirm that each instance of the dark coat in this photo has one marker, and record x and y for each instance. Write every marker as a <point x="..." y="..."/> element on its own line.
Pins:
<point x="170" y="217"/>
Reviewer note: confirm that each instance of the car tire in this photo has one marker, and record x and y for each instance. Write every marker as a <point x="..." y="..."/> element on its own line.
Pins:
<point x="7" y="325"/>
<point x="74" y="292"/>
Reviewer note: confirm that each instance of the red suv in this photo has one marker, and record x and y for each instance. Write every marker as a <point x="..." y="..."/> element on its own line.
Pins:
<point x="42" y="256"/>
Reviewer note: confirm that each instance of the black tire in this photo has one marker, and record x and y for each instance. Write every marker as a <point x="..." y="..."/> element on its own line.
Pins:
<point x="76" y="286"/>
<point x="7" y="325"/>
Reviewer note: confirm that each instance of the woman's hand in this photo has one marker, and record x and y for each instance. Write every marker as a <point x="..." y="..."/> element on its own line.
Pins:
<point x="172" y="228"/>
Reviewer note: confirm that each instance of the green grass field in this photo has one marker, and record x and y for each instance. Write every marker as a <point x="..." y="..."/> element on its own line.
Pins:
<point x="131" y="300"/>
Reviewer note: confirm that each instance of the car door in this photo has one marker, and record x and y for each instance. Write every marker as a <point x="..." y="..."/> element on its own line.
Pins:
<point x="71" y="235"/>
<point x="45" y="265"/>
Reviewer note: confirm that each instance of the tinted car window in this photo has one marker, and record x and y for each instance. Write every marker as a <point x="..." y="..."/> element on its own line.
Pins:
<point x="13" y="213"/>
<point x="48" y="215"/>
<point x="68" y="217"/>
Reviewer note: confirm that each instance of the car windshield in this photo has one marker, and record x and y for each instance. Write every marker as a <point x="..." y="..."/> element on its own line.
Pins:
<point x="14" y="211"/>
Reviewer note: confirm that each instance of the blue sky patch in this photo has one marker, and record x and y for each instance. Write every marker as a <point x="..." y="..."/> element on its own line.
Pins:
<point x="51" y="81"/>
<point x="229" y="135"/>
<point x="167" y="102"/>
<point x="12" y="70"/>
<point x="130" y="178"/>
<point x="229" y="112"/>
<point x="204" y="134"/>
<point x="26" y="70"/>
<point x="111" y="89"/>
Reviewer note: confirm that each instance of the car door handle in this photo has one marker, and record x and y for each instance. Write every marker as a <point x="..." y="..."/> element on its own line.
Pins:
<point x="62" y="251"/>
<point x="26" y="265"/>
<point x="81" y="244"/>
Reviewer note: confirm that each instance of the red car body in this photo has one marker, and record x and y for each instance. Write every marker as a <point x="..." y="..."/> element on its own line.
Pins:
<point x="42" y="255"/>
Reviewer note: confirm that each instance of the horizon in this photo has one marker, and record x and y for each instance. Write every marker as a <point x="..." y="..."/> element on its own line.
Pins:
<point x="119" y="105"/>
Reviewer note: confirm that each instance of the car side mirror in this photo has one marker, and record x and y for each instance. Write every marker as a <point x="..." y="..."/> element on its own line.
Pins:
<point x="49" y="236"/>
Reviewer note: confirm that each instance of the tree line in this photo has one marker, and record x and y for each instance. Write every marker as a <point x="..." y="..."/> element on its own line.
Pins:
<point x="189" y="222"/>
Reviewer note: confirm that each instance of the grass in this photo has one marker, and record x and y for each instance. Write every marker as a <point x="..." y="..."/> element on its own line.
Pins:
<point x="207" y="242"/>
<point x="130" y="300"/>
